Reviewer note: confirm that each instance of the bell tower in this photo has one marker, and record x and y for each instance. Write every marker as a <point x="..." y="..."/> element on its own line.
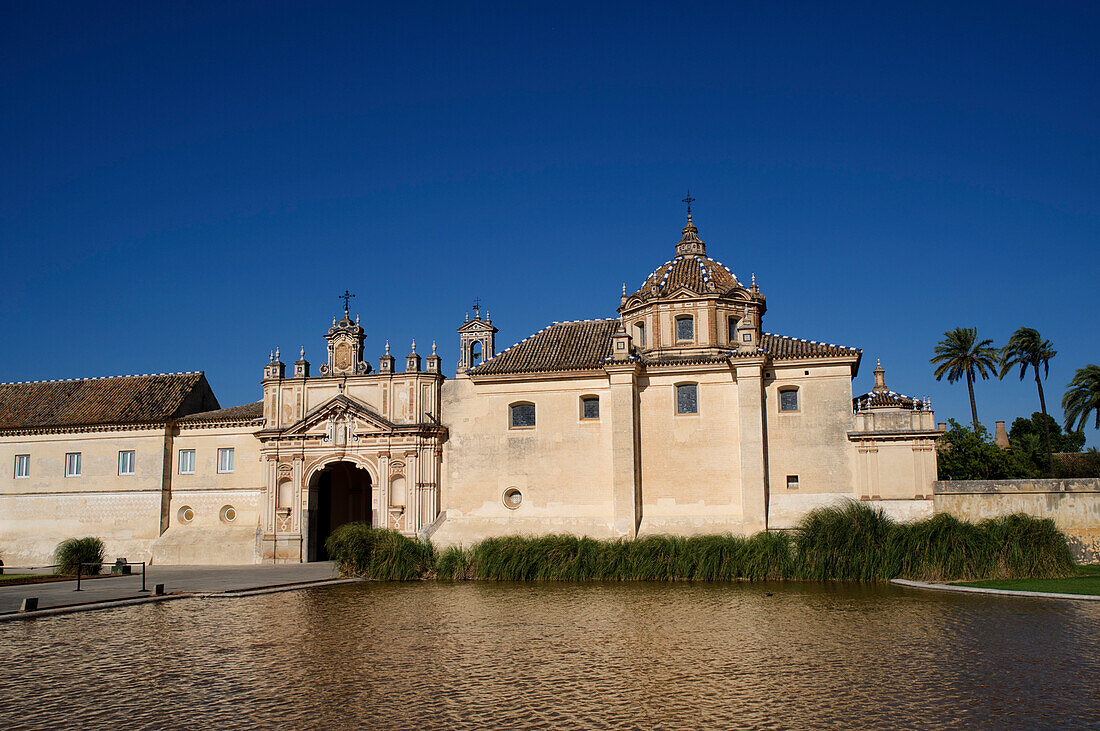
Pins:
<point x="475" y="339"/>
<point x="345" y="345"/>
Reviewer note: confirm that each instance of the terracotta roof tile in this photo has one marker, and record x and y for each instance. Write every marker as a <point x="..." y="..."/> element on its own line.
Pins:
<point x="563" y="346"/>
<point x="101" y="401"/>
<point x="243" y="412"/>
<point x="694" y="271"/>
<point x="781" y="347"/>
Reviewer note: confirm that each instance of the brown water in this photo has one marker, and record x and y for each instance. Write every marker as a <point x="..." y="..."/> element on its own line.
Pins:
<point x="480" y="655"/>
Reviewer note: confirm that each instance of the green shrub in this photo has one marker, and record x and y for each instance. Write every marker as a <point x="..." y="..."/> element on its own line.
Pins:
<point x="455" y="563"/>
<point x="71" y="553"/>
<point x="378" y="553"/>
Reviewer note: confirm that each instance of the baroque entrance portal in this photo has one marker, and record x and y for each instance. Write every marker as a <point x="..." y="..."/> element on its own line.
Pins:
<point x="341" y="494"/>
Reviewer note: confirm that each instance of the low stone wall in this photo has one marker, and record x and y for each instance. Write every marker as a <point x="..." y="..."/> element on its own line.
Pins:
<point x="1074" y="504"/>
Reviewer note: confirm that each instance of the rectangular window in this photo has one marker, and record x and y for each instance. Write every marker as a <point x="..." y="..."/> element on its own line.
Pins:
<point x="733" y="330"/>
<point x="788" y="400"/>
<point x="225" y="459"/>
<point x="685" y="328"/>
<point x="22" y="465"/>
<point x="792" y="482"/>
<point x="590" y="407"/>
<point x="72" y="464"/>
<point x="187" y="461"/>
<point x="523" y="416"/>
<point x="639" y="334"/>
<point x="126" y="462"/>
<point x="687" y="399"/>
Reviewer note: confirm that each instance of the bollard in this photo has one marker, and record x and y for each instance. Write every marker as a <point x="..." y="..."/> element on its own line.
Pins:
<point x="30" y="604"/>
<point x="158" y="590"/>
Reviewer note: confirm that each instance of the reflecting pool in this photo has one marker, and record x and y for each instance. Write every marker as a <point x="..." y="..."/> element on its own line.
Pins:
<point x="479" y="655"/>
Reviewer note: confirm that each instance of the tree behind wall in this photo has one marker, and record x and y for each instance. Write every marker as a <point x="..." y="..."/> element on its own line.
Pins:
<point x="966" y="453"/>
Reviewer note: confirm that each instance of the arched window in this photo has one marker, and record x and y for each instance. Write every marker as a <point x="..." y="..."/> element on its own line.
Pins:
<point x="639" y="334"/>
<point x="475" y="353"/>
<point x="685" y="327"/>
<point x="687" y="398"/>
<point x="788" y="400"/>
<point x="522" y="416"/>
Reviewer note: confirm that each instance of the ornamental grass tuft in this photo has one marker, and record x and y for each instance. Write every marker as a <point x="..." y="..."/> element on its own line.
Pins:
<point x="378" y="553"/>
<point x="83" y="555"/>
<point x="847" y="542"/>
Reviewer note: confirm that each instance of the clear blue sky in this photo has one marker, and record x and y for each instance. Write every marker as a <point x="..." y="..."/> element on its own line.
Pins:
<point x="187" y="185"/>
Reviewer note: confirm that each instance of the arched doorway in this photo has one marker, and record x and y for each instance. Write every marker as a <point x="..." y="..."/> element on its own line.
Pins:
<point x="339" y="494"/>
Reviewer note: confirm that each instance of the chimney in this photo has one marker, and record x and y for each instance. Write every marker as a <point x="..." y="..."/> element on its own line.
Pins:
<point x="1000" y="436"/>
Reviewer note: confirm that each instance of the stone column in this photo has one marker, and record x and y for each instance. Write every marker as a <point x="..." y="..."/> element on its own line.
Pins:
<point x="751" y="427"/>
<point x="412" y="491"/>
<point x="382" y="520"/>
<point x="625" y="472"/>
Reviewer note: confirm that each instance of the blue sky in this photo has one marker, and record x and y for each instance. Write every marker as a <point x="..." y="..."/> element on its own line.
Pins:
<point x="186" y="186"/>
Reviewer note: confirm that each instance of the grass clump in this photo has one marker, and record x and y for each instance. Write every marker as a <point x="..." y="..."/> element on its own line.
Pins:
<point x="85" y="554"/>
<point x="847" y="542"/>
<point x="378" y="553"/>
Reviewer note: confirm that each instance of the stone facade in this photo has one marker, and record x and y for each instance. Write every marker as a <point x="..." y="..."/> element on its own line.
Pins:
<point x="680" y="415"/>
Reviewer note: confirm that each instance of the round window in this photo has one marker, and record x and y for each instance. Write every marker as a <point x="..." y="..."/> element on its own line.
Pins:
<point x="512" y="498"/>
<point x="228" y="514"/>
<point x="186" y="514"/>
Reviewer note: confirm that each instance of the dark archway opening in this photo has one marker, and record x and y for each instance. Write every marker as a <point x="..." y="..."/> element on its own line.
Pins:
<point x="341" y="494"/>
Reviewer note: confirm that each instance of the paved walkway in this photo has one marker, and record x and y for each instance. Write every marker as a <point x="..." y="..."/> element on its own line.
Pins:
<point x="983" y="590"/>
<point x="176" y="579"/>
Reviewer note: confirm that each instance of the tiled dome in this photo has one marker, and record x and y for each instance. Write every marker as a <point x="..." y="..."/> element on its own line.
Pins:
<point x="691" y="268"/>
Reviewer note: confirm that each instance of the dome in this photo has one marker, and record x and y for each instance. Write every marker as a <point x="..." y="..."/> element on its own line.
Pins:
<point x="691" y="269"/>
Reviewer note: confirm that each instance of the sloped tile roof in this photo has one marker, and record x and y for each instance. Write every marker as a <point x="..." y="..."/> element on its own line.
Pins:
<point x="103" y="401"/>
<point x="563" y="346"/>
<point x="781" y="347"/>
<point x="243" y="412"/>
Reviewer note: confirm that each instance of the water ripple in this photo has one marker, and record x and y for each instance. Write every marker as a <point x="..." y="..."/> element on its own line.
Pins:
<point x="614" y="656"/>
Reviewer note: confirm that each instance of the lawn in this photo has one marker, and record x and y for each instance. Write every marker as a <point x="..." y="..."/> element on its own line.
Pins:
<point x="1087" y="581"/>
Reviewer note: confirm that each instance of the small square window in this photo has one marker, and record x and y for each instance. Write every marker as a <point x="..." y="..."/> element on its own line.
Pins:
<point x="126" y="462"/>
<point x="687" y="401"/>
<point x="685" y="328"/>
<point x="523" y="416"/>
<point x="788" y="400"/>
<point x="747" y="337"/>
<point x="225" y="459"/>
<point x="590" y="407"/>
<point x="72" y="464"/>
<point x="22" y="465"/>
<point x="187" y="461"/>
<point x="620" y="345"/>
<point x="792" y="482"/>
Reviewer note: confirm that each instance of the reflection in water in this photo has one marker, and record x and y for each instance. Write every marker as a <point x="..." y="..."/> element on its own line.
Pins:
<point x="475" y="655"/>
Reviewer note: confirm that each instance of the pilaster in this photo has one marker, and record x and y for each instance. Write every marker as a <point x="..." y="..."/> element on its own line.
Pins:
<point x="625" y="468"/>
<point x="752" y="425"/>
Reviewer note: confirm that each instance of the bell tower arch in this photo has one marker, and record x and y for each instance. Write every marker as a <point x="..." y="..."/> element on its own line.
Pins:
<point x="475" y="340"/>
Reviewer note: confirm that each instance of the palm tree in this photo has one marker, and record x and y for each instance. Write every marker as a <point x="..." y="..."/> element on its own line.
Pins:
<point x="1027" y="349"/>
<point x="1082" y="396"/>
<point x="959" y="355"/>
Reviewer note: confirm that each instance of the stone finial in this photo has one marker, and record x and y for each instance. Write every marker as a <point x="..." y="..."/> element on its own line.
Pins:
<point x="387" y="347"/>
<point x="880" y="378"/>
<point x="302" y="353"/>
<point x="467" y="317"/>
<point x="334" y="319"/>
<point x="414" y="345"/>
<point x="433" y="342"/>
<point x="277" y="352"/>
<point x="624" y="289"/>
<point x="271" y="356"/>
<point x="356" y="318"/>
